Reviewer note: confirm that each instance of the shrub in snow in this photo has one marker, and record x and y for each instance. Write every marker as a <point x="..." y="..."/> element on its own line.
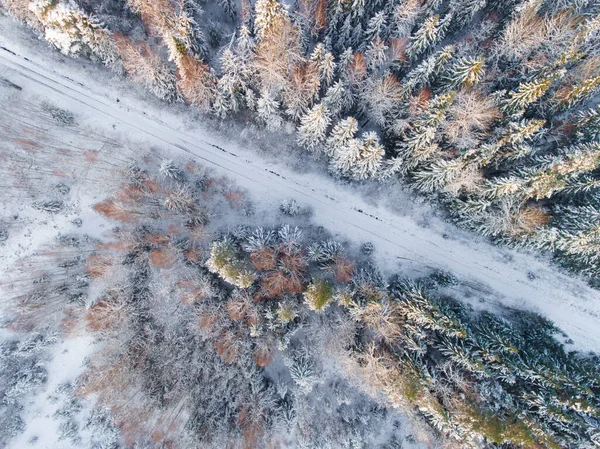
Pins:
<point x="318" y="295"/>
<point x="50" y="206"/>
<point x="367" y="248"/>
<point x="170" y="170"/>
<point x="227" y="263"/>
<point x="303" y="370"/>
<point x="290" y="207"/>
<point x="61" y="116"/>
<point x="442" y="278"/>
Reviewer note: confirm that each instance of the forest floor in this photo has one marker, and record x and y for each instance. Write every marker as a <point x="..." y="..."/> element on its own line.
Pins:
<point x="411" y="244"/>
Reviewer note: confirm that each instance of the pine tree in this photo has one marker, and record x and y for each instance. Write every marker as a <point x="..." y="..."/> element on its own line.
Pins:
<point x="376" y="28"/>
<point x="465" y="10"/>
<point x="405" y="17"/>
<point x="229" y="7"/>
<point x="225" y="261"/>
<point x="465" y="73"/>
<point x="420" y="144"/>
<point x="356" y="158"/>
<point x="582" y="248"/>
<point x="267" y="110"/>
<point x="338" y="99"/>
<point x="376" y="53"/>
<point x="221" y="107"/>
<point x="197" y="82"/>
<point x="551" y="176"/>
<point x="426" y="71"/>
<point x="245" y="45"/>
<point x="569" y="97"/>
<point x="75" y="33"/>
<point x="233" y="81"/>
<point x="325" y="64"/>
<point x="370" y="157"/>
<point x="313" y="127"/>
<point x="438" y="175"/>
<point x="301" y="90"/>
<point x="345" y="157"/>
<point x="530" y="92"/>
<point x="318" y="295"/>
<point x="145" y="67"/>
<point x="588" y="126"/>
<point x="269" y="15"/>
<point x="381" y="97"/>
<point x="341" y="135"/>
<point x="425" y="36"/>
<point x="511" y="144"/>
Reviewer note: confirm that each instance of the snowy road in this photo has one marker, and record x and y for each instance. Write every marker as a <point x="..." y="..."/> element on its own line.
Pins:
<point x="401" y="244"/>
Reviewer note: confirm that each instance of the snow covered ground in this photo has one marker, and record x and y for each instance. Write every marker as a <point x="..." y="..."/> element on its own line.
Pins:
<point x="404" y="243"/>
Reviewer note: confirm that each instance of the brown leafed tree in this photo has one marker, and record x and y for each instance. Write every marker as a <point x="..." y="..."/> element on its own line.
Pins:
<point x="469" y="118"/>
<point x="315" y="12"/>
<point x="146" y="67"/>
<point x="196" y="82"/>
<point x="277" y="54"/>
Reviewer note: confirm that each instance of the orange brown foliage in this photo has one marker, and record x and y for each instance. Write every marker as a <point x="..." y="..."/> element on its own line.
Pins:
<point x="130" y="193"/>
<point x="316" y="12"/>
<point x="161" y="258"/>
<point x="277" y="283"/>
<point x="420" y="102"/>
<point x="106" y="315"/>
<point x="234" y="197"/>
<point x="277" y="54"/>
<point x="114" y="209"/>
<point x="98" y="265"/>
<point x="195" y="81"/>
<point x="157" y="239"/>
<point x="91" y="155"/>
<point x="343" y="269"/>
<point x="193" y="256"/>
<point x="529" y="219"/>
<point x="398" y="46"/>
<point x="358" y="67"/>
<point x="228" y="347"/>
<point x="263" y="355"/>
<point x="264" y="260"/>
<point x="206" y="319"/>
<point x="303" y="86"/>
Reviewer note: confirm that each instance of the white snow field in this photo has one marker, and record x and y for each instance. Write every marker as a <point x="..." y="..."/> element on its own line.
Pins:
<point x="493" y="275"/>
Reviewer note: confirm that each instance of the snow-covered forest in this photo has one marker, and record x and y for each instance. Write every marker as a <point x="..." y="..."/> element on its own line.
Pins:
<point x="488" y="106"/>
<point x="149" y="301"/>
<point x="211" y="333"/>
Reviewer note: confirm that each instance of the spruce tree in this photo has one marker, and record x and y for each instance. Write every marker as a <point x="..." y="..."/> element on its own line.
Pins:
<point x="578" y="93"/>
<point x="376" y="53"/>
<point x="268" y="16"/>
<point x="588" y="126"/>
<point x="427" y="70"/>
<point x="426" y="35"/>
<point x="341" y="135"/>
<point x="338" y="99"/>
<point x="370" y="158"/>
<point x="465" y="73"/>
<point x="268" y="112"/>
<point x="530" y="92"/>
<point x="313" y="127"/>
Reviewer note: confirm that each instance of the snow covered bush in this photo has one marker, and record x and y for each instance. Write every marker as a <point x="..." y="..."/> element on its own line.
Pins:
<point x="224" y="260"/>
